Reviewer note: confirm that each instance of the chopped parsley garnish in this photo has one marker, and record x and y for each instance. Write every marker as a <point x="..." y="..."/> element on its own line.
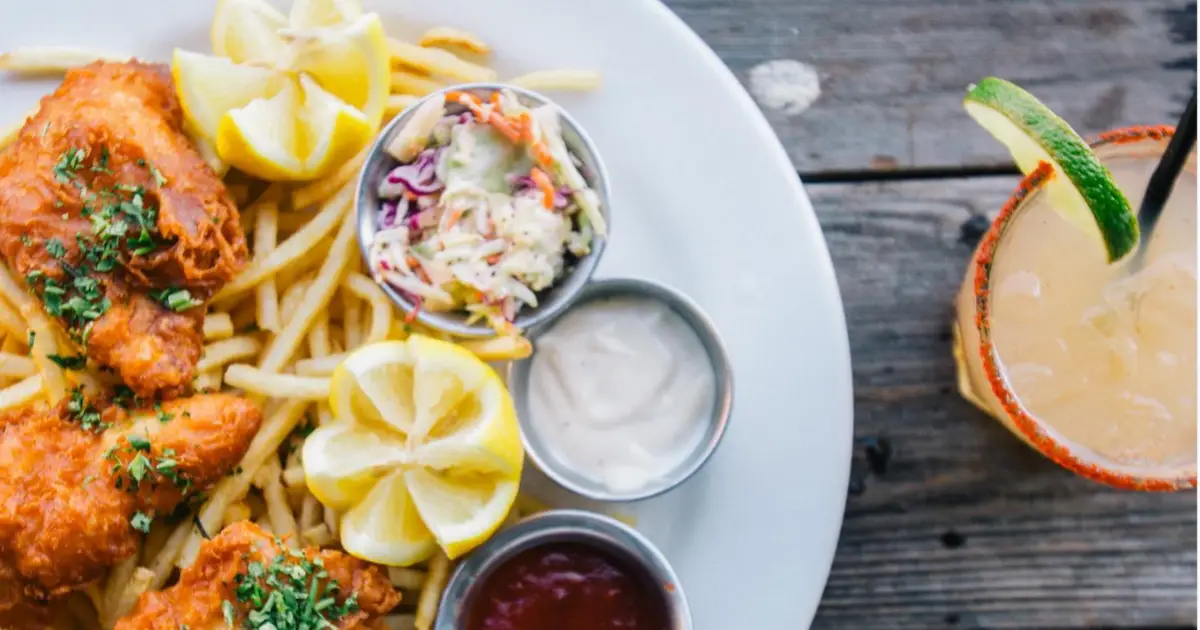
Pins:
<point x="68" y="163"/>
<point x="293" y="592"/>
<point x="177" y="300"/>
<point x="120" y="215"/>
<point x="81" y="411"/>
<point x="144" y="467"/>
<point x="69" y="362"/>
<point x="55" y="247"/>
<point x="26" y="241"/>
<point x="32" y="336"/>
<point x="162" y="415"/>
<point x="141" y="522"/>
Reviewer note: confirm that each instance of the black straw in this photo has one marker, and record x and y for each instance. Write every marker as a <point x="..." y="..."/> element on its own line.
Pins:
<point x="1163" y="179"/>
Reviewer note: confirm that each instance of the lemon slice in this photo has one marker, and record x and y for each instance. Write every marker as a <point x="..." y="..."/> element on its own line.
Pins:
<point x="351" y="61"/>
<point x="332" y="131"/>
<point x="309" y="13"/>
<point x="386" y="527"/>
<point x="461" y="511"/>
<point x="247" y="31"/>
<point x="262" y="138"/>
<point x="210" y="86"/>
<point x="300" y="133"/>
<point x="421" y="425"/>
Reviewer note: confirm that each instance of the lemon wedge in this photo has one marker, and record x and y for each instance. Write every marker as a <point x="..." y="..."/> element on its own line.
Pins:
<point x="247" y="31"/>
<point x="302" y="132"/>
<point x="350" y="60"/>
<point x="309" y="13"/>
<point x="210" y="86"/>
<point x="425" y="451"/>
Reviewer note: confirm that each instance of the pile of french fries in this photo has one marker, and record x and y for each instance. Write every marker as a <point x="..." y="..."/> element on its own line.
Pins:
<point x="275" y="333"/>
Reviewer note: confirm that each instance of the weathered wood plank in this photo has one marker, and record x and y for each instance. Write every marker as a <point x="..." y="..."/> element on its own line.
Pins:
<point x="893" y="72"/>
<point x="963" y="526"/>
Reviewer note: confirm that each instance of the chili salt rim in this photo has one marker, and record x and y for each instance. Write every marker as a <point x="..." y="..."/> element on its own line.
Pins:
<point x="1029" y="426"/>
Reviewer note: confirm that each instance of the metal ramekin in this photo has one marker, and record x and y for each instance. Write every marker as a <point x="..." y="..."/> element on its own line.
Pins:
<point x="558" y="526"/>
<point x="518" y="384"/>
<point x="552" y="301"/>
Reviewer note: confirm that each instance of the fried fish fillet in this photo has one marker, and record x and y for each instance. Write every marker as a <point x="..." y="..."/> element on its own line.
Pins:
<point x="74" y="495"/>
<point x="243" y="566"/>
<point x="114" y="220"/>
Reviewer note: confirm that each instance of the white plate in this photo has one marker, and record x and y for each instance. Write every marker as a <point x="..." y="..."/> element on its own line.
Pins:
<point x="705" y="200"/>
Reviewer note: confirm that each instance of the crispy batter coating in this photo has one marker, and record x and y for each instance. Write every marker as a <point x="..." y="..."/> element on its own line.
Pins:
<point x="111" y="134"/>
<point x="68" y="494"/>
<point x="197" y="599"/>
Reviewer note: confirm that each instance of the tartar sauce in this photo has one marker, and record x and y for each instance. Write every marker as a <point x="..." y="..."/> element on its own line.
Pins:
<point x="622" y="391"/>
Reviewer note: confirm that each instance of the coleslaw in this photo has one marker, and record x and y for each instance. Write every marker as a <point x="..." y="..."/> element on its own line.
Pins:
<point x="486" y="209"/>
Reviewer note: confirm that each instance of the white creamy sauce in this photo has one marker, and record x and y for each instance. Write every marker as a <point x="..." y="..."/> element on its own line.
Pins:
<point x="621" y="391"/>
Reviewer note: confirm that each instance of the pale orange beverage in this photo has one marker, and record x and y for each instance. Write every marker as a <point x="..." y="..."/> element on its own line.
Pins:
<point x="1091" y="363"/>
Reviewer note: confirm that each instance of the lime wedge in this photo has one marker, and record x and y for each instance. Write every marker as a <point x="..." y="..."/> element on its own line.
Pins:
<point x="1082" y="189"/>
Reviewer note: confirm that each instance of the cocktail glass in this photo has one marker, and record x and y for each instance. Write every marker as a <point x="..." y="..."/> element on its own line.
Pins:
<point x="1092" y="364"/>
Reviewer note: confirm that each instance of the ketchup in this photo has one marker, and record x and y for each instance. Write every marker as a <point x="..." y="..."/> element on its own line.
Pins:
<point x="566" y="585"/>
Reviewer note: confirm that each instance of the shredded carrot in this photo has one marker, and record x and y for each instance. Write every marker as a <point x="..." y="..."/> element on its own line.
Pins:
<point x="505" y="126"/>
<point x="526" y="127"/>
<point x="493" y="259"/>
<point x="494" y="99"/>
<point x="412" y="262"/>
<point x="412" y="315"/>
<point x="542" y="180"/>
<point x="452" y="220"/>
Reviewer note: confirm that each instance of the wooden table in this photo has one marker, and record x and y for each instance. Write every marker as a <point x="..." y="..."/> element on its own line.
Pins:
<point x="951" y="521"/>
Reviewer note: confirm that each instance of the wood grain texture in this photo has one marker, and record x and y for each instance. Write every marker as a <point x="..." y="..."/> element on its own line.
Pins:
<point x="961" y="525"/>
<point x="893" y="72"/>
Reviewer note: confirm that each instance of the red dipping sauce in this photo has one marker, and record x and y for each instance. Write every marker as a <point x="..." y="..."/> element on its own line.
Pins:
<point x="567" y="585"/>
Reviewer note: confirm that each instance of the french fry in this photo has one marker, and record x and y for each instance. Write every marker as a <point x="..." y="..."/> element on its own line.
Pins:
<point x="51" y="59"/>
<point x="323" y="366"/>
<point x="138" y="584"/>
<point x="17" y="366"/>
<point x="274" y="431"/>
<point x="83" y="611"/>
<point x="382" y="313"/>
<point x="330" y="517"/>
<point x="269" y="471"/>
<point x="207" y="381"/>
<point x="317" y="192"/>
<point x="44" y="342"/>
<point x="443" y="36"/>
<point x="11" y="321"/>
<point x="505" y="348"/>
<point x="291" y="221"/>
<point x="431" y="591"/>
<point x="438" y="62"/>
<point x="397" y="103"/>
<point x="318" y="535"/>
<point x="295" y="294"/>
<point x="271" y="384"/>
<point x="284" y="345"/>
<point x="220" y="353"/>
<point x="412" y="84"/>
<point x="304" y="240"/>
<point x="310" y="513"/>
<point x="160" y="531"/>
<point x="23" y="392"/>
<point x="283" y="523"/>
<point x="114" y="588"/>
<point x="236" y="513"/>
<point x="407" y="579"/>
<point x="164" y="562"/>
<point x="265" y="233"/>
<point x="351" y="318"/>
<point x="217" y="326"/>
<point x="558" y="80"/>
<point x="293" y="477"/>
